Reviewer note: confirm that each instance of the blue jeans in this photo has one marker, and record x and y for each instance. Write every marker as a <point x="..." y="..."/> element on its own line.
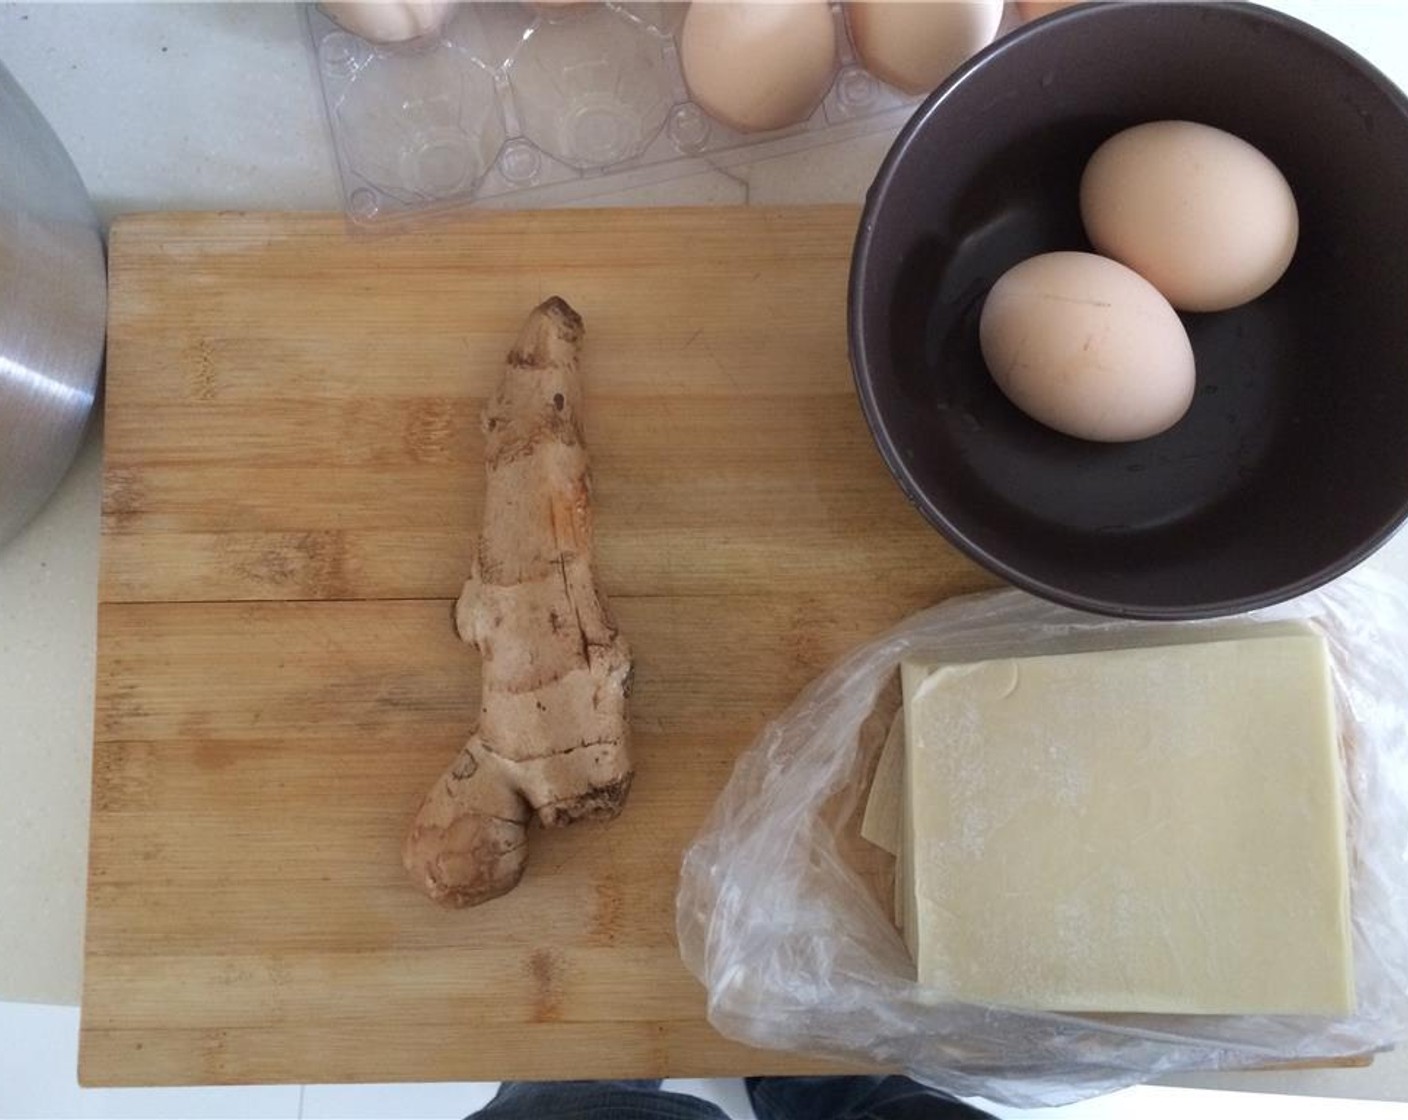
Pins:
<point x="774" y="1098"/>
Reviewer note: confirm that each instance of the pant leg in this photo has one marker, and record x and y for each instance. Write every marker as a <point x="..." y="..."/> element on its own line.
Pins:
<point x="594" y="1100"/>
<point x="854" y="1098"/>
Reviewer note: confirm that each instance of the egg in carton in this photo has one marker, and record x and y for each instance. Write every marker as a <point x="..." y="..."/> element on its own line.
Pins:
<point x="541" y="104"/>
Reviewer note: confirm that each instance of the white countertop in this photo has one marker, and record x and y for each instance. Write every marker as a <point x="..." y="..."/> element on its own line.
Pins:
<point x="215" y="106"/>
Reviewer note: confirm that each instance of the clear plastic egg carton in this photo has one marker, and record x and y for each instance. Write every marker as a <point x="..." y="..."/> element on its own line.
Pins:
<point x="553" y="105"/>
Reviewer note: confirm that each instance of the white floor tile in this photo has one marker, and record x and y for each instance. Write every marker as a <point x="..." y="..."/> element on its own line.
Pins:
<point x="1153" y="1102"/>
<point x="38" y="1080"/>
<point x="708" y="188"/>
<point x="48" y="613"/>
<point x="703" y="188"/>
<point x="1385" y="1080"/>
<point x="839" y="172"/>
<point x="728" y="1093"/>
<point x="443" y="1101"/>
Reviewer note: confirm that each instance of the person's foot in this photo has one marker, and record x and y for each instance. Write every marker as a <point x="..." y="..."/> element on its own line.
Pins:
<point x="854" y="1098"/>
<point x="594" y="1100"/>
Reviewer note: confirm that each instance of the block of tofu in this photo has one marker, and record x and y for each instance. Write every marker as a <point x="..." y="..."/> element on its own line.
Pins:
<point x="1137" y="830"/>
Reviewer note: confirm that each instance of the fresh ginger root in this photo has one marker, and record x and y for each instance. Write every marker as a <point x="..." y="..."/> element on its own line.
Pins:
<point x="552" y="739"/>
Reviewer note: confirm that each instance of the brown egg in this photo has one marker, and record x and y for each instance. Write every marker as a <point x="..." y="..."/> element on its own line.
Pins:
<point x="1199" y="213"/>
<point x="1035" y="9"/>
<point x="758" y="66"/>
<point x="380" y="21"/>
<point x="1088" y="347"/>
<point x="915" y="44"/>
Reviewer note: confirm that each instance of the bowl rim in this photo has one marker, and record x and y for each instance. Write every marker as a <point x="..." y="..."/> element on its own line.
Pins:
<point x="858" y="335"/>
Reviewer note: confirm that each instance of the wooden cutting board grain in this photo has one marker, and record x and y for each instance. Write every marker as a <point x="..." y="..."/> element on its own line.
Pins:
<point x="292" y="483"/>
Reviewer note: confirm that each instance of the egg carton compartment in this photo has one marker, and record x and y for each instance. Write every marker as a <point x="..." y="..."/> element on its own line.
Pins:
<point x="556" y="105"/>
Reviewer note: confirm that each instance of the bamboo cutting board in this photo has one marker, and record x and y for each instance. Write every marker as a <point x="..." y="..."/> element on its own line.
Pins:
<point x="292" y="483"/>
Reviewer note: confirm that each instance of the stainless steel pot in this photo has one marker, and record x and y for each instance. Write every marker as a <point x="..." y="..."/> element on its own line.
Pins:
<point x="53" y="304"/>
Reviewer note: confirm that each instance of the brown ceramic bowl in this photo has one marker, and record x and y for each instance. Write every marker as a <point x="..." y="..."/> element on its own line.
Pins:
<point x="1292" y="464"/>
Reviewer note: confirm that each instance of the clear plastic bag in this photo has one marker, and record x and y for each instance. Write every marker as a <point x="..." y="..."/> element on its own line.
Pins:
<point x="783" y="916"/>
